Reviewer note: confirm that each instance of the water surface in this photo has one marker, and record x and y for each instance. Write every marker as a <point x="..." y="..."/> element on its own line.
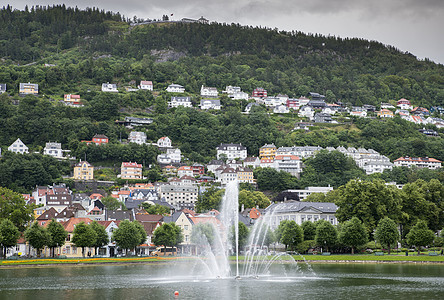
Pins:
<point x="284" y="281"/>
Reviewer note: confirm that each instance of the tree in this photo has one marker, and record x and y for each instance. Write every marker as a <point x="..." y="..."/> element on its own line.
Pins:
<point x="420" y="235"/>
<point x="14" y="208"/>
<point x="387" y="233"/>
<point x="57" y="235"/>
<point x="83" y="236"/>
<point x="309" y="229"/>
<point x="37" y="236"/>
<point x="141" y="230"/>
<point x="102" y="238"/>
<point x="203" y="234"/>
<point x="210" y="199"/>
<point x="250" y="199"/>
<point x="168" y="234"/>
<point x="369" y="201"/>
<point x="9" y="234"/>
<point x="353" y="234"/>
<point x="111" y="203"/>
<point x="127" y="236"/>
<point x="292" y="235"/>
<point x="326" y="234"/>
<point x="155" y="209"/>
<point x="242" y="236"/>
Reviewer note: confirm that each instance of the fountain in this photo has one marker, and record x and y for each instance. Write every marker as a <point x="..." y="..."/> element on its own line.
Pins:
<point x="216" y="242"/>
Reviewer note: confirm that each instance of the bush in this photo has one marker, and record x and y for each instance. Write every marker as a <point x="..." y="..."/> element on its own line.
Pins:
<point x="304" y="246"/>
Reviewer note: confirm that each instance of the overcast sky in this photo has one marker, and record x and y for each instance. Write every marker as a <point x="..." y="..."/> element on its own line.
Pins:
<point x="416" y="26"/>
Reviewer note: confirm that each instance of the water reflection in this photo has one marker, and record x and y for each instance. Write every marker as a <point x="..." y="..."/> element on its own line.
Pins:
<point x="159" y="281"/>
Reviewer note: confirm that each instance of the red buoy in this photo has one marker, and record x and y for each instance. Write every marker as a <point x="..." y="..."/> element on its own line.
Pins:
<point x="176" y="293"/>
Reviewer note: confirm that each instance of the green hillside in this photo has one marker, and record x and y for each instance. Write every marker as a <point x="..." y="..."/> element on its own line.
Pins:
<point x="67" y="50"/>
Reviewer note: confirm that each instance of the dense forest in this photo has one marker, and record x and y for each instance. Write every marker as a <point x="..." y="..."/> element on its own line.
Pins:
<point x="67" y="50"/>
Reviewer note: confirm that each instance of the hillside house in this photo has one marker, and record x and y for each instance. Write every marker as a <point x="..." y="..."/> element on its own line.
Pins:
<point x="137" y="137"/>
<point x="83" y="170"/>
<point x="208" y="92"/>
<point x="231" y="151"/>
<point x="28" y="88"/>
<point x="146" y="85"/>
<point x="18" y="147"/>
<point x="130" y="170"/>
<point x="175" y="88"/>
<point x="206" y="104"/>
<point x="109" y="87"/>
<point x="180" y="101"/>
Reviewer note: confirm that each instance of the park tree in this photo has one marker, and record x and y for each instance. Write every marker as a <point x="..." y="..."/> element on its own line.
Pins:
<point x="141" y="230"/>
<point x="203" y="234"/>
<point x="369" y="201"/>
<point x="309" y="229"/>
<point x="422" y="201"/>
<point x="57" y="236"/>
<point x="353" y="234"/>
<point x="127" y="236"/>
<point x="280" y="230"/>
<point x="387" y="233"/>
<point x="102" y="238"/>
<point x="420" y="235"/>
<point x="243" y="236"/>
<point x="326" y="234"/>
<point x="168" y="234"/>
<point x="9" y="234"/>
<point x="292" y="235"/>
<point x="14" y="208"/>
<point x="83" y="236"/>
<point x="37" y="236"/>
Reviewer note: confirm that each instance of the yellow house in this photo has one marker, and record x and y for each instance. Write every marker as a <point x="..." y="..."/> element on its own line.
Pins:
<point x="83" y="171"/>
<point x="245" y="175"/>
<point x="385" y="113"/>
<point x="267" y="151"/>
<point x="186" y="225"/>
<point x="29" y="88"/>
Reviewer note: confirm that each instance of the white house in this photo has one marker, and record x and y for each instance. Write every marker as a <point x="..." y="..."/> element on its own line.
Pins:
<point x="404" y="104"/>
<point x="419" y="162"/>
<point x="185" y="171"/>
<point x="180" y="101"/>
<point x="356" y="113"/>
<point x="2" y="88"/>
<point x="250" y="106"/>
<point x="288" y="163"/>
<point x="175" y="155"/>
<point x="18" y="147"/>
<point x="306" y="111"/>
<point x="206" y="104"/>
<point x="235" y="93"/>
<point x="231" y="151"/>
<point x="376" y="166"/>
<point x="208" y="92"/>
<point x="301" y="211"/>
<point x="180" y="196"/>
<point x="137" y="137"/>
<point x="281" y="109"/>
<point x="54" y="150"/>
<point x="109" y="87"/>
<point x="146" y="85"/>
<point x="175" y="88"/>
<point x="164" y="142"/>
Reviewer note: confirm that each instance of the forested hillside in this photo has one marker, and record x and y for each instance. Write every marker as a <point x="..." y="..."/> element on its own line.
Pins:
<point x="67" y="50"/>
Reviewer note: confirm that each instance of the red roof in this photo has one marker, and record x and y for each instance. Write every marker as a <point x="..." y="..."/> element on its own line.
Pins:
<point x="71" y="223"/>
<point x="186" y="168"/>
<point x="292" y="157"/>
<point x="418" y="159"/>
<point x="143" y="82"/>
<point x="131" y="164"/>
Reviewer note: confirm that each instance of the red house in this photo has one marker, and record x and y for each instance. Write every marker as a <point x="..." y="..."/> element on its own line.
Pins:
<point x="259" y="93"/>
<point x="98" y="139"/>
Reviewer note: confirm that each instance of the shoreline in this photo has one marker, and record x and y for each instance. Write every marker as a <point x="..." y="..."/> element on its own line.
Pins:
<point x="38" y="263"/>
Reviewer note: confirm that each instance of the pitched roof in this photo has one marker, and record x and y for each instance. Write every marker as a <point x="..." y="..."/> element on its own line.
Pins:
<point x="72" y="222"/>
<point x="148" y="218"/>
<point x="48" y="214"/>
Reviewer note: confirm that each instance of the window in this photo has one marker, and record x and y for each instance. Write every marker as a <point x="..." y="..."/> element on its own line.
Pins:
<point x="74" y="250"/>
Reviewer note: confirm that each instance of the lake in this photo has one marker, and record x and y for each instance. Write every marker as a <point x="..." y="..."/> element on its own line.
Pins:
<point x="285" y="281"/>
